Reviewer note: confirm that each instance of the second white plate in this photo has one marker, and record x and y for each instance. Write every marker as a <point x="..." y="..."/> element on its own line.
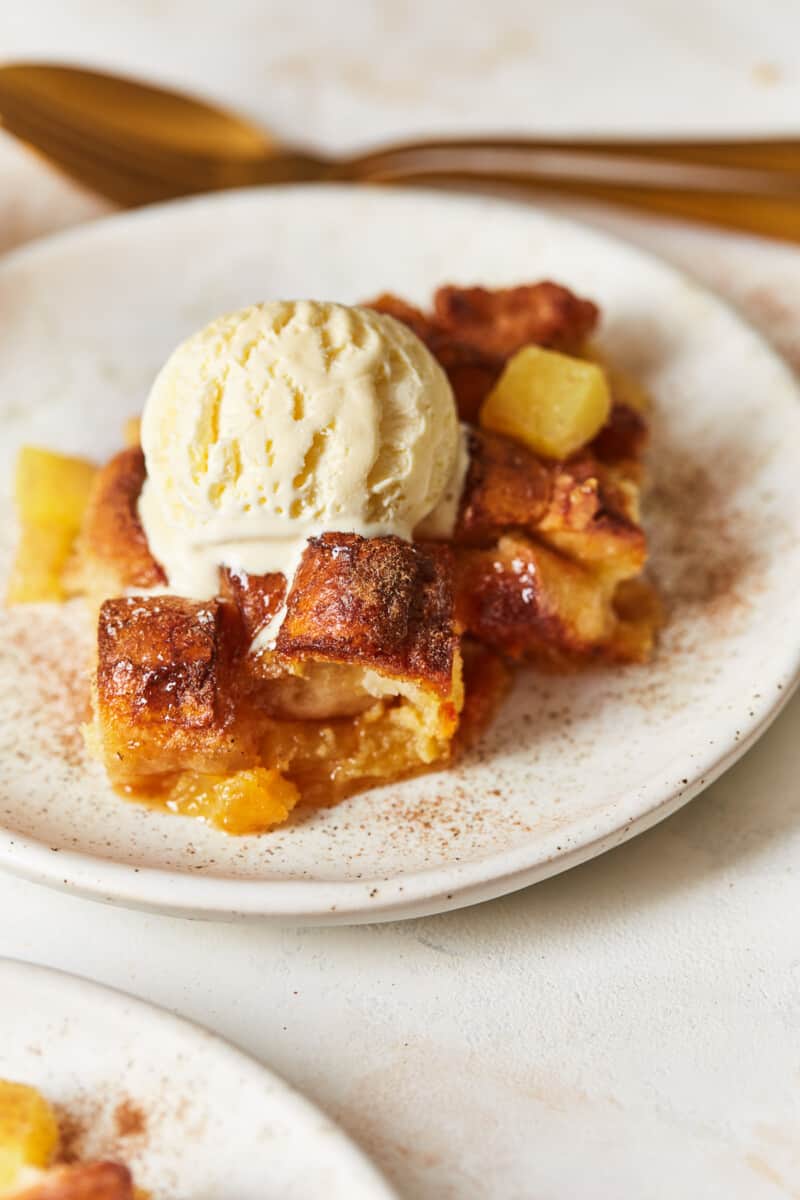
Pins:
<point x="189" y="1114"/>
<point x="573" y="765"/>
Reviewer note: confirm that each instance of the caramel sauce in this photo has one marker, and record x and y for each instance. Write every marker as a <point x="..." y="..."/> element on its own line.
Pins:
<point x="245" y="802"/>
<point x="318" y="762"/>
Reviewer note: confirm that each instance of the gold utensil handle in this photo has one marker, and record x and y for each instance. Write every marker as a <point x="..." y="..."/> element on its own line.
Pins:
<point x="756" y="154"/>
<point x="773" y="215"/>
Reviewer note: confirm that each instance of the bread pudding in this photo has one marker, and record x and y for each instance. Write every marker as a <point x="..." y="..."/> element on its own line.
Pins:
<point x="31" y="1166"/>
<point x="338" y="531"/>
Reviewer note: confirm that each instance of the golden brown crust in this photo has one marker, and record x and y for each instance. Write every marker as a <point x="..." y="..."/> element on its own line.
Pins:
<point x="506" y="486"/>
<point x="501" y="321"/>
<point x="578" y="507"/>
<point x="541" y="548"/>
<point x="82" y="1181"/>
<point x="624" y="436"/>
<point x="380" y="602"/>
<point x="528" y="601"/>
<point x="165" y="694"/>
<point x="473" y="331"/>
<point x="112" y="539"/>
<point x="258" y="597"/>
<point x="159" y="656"/>
<point x="593" y="519"/>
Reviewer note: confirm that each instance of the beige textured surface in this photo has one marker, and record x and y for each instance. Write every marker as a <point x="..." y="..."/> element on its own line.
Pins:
<point x="631" y="1028"/>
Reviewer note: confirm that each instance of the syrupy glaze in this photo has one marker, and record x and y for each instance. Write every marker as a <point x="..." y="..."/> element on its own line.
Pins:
<point x="324" y="761"/>
<point x="244" y="802"/>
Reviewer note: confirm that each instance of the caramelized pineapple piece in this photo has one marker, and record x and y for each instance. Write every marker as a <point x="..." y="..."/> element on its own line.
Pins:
<point x="552" y="403"/>
<point x="249" y="801"/>
<point x="51" y="493"/>
<point x="52" y="489"/>
<point x="28" y="1131"/>
<point x="42" y="553"/>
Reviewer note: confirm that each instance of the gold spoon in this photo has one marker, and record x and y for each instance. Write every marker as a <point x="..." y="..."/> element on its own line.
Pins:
<point x="136" y="144"/>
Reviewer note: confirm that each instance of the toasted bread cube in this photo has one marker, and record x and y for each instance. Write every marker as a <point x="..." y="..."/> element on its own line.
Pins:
<point x="249" y="801"/>
<point x="28" y="1131"/>
<point x="52" y="489"/>
<point x="583" y="508"/>
<point x="526" y="600"/>
<point x="158" y="658"/>
<point x="383" y="602"/>
<point x="112" y="550"/>
<point x="164" y="700"/>
<point x="552" y="403"/>
<point x="501" y="321"/>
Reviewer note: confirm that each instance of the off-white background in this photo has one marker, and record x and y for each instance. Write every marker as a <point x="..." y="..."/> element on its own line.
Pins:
<point x="631" y="1029"/>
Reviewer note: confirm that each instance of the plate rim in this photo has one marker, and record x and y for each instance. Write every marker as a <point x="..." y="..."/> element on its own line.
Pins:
<point x="432" y="889"/>
<point x="314" y="1116"/>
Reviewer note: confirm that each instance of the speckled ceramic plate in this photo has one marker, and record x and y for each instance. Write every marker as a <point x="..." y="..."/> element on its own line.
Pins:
<point x="189" y="1114"/>
<point x="573" y="765"/>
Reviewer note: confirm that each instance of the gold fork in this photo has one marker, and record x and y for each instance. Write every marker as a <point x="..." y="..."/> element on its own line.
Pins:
<point x="136" y="144"/>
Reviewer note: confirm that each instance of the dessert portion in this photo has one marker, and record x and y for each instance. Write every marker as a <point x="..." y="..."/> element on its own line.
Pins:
<point x="306" y="646"/>
<point x="362" y="683"/>
<point x="29" y="1156"/>
<point x="338" y="529"/>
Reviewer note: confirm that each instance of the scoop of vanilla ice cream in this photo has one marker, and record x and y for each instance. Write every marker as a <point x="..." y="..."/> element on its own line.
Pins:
<point x="285" y="420"/>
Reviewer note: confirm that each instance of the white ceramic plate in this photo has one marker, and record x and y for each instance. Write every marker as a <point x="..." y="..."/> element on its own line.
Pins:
<point x="190" y="1115"/>
<point x="573" y="765"/>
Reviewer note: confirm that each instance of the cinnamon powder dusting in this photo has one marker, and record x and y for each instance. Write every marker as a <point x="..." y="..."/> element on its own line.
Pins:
<point x="706" y="549"/>
<point x="73" y="1126"/>
<point x="129" y="1120"/>
<point x="89" y="1128"/>
<point x="56" y="670"/>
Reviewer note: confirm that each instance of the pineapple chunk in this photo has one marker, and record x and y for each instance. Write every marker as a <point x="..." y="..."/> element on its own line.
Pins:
<point x="249" y="801"/>
<point x="550" y="402"/>
<point x="52" y="489"/>
<point x="28" y="1131"/>
<point x="42" y="554"/>
<point x="51" y="492"/>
